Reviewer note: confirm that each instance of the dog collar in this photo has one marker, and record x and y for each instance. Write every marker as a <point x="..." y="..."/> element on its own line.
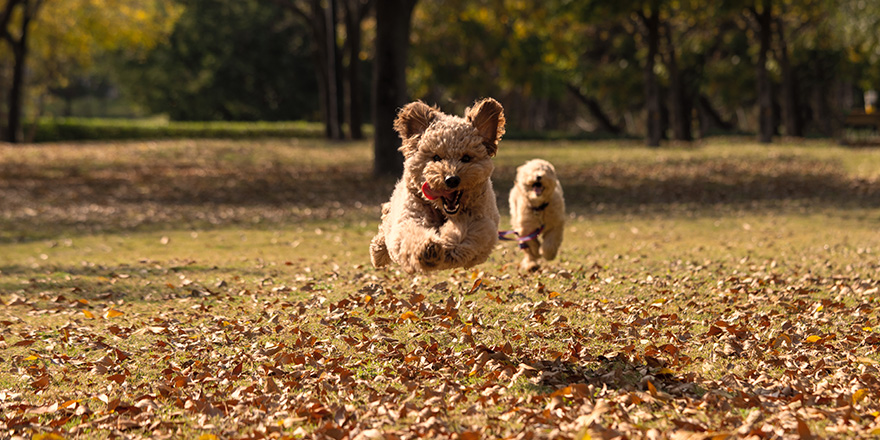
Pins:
<point x="541" y="207"/>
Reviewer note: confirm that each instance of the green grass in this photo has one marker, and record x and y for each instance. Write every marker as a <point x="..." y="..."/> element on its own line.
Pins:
<point x="727" y="274"/>
<point x="96" y="129"/>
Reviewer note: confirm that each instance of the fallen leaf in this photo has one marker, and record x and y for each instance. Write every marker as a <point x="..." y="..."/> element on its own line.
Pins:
<point x="41" y="382"/>
<point x="478" y="283"/>
<point x="48" y="436"/>
<point x="112" y="313"/>
<point x="859" y="395"/>
<point x="409" y="315"/>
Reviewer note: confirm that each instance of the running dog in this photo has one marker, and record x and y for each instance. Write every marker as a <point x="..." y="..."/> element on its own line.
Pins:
<point x="443" y="212"/>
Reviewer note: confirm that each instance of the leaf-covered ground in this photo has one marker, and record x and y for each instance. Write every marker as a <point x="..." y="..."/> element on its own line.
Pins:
<point x="217" y="289"/>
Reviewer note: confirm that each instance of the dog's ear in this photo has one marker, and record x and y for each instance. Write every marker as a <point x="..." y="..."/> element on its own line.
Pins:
<point x="487" y="116"/>
<point x="412" y="120"/>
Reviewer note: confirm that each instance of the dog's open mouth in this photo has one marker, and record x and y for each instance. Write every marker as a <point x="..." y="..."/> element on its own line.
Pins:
<point x="538" y="188"/>
<point x="451" y="199"/>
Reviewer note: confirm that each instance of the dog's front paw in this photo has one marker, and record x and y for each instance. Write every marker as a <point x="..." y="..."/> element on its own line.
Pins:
<point x="431" y="255"/>
<point x="529" y="263"/>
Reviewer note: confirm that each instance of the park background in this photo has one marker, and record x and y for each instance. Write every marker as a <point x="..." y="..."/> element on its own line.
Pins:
<point x="187" y="206"/>
<point x="677" y="70"/>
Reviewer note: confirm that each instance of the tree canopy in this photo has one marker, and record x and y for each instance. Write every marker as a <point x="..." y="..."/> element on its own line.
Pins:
<point x="675" y="69"/>
<point x="62" y="39"/>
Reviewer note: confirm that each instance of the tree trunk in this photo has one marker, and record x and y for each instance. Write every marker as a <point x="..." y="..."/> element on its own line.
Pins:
<point x="16" y="92"/>
<point x="680" y="110"/>
<point x="355" y="12"/>
<point x="321" y="22"/>
<point x="393" y="19"/>
<point x="791" y="116"/>
<point x="652" y="88"/>
<point x="766" y="118"/>
<point x="333" y="121"/>
<point x="595" y="110"/>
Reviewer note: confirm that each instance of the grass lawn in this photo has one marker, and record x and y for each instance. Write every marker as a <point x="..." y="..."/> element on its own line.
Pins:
<point x="218" y="289"/>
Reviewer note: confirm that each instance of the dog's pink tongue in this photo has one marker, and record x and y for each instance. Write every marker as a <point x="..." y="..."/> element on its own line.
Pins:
<point x="431" y="194"/>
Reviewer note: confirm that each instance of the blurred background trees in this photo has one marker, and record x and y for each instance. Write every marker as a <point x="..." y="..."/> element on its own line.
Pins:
<point x="52" y="51"/>
<point x="659" y="69"/>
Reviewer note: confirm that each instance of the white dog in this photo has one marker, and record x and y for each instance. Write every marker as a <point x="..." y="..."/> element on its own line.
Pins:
<point x="537" y="212"/>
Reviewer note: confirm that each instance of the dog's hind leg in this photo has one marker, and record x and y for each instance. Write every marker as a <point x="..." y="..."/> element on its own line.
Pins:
<point x="379" y="251"/>
<point x="379" y="255"/>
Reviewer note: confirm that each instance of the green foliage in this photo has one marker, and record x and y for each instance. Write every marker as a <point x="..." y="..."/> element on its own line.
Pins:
<point x="74" y="129"/>
<point x="228" y="60"/>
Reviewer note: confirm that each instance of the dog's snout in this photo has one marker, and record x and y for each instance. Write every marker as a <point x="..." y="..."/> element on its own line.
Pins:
<point x="452" y="181"/>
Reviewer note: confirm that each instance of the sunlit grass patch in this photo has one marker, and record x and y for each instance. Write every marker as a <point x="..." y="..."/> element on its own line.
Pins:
<point x="219" y="287"/>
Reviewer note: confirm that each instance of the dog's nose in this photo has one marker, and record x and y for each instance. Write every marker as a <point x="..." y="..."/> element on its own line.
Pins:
<point x="452" y="181"/>
<point x="538" y="178"/>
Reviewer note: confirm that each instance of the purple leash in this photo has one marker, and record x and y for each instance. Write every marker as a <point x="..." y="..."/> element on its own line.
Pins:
<point x="503" y="235"/>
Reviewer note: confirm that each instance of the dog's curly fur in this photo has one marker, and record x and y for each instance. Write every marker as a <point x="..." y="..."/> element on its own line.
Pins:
<point x="443" y="212"/>
<point x="536" y="201"/>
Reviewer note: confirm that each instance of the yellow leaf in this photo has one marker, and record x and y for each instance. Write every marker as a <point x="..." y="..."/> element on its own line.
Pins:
<point x="867" y="329"/>
<point x="48" y="436"/>
<point x="112" y="313"/>
<point x="819" y="308"/>
<point x="813" y="338"/>
<point x="82" y="301"/>
<point x="88" y="314"/>
<point x="207" y="437"/>
<point x="409" y="315"/>
<point x="652" y="389"/>
<point x="32" y="357"/>
<point x="367" y="299"/>
<point x="552" y="295"/>
<point x="858" y="396"/>
<point x="665" y="370"/>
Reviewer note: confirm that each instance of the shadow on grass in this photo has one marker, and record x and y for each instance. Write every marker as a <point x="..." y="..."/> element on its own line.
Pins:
<point x="131" y="282"/>
<point x="697" y="184"/>
<point x="57" y="200"/>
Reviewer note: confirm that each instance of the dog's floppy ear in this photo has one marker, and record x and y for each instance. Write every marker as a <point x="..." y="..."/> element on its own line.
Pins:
<point x="412" y="120"/>
<point x="487" y="116"/>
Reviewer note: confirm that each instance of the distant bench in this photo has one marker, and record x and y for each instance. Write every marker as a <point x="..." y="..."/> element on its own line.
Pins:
<point x="860" y="128"/>
<point x="860" y="119"/>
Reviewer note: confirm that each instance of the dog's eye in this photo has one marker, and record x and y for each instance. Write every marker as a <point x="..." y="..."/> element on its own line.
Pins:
<point x="437" y="158"/>
<point x="465" y="158"/>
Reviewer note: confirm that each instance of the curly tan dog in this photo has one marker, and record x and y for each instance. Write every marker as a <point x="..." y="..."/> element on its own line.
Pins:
<point x="443" y="213"/>
<point x="537" y="209"/>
